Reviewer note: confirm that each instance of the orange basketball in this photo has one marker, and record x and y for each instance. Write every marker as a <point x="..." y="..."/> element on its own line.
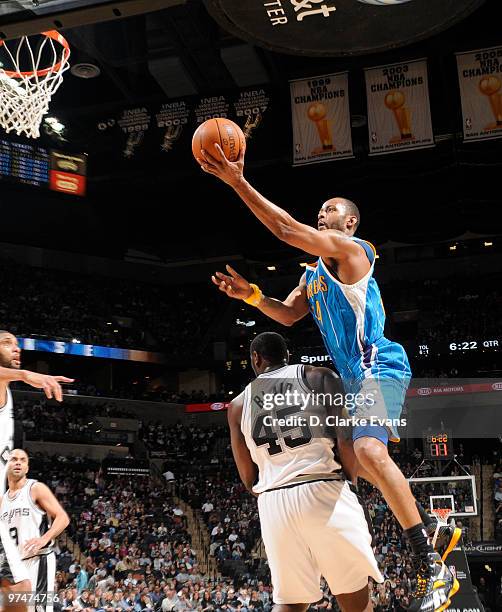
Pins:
<point x="224" y="132"/>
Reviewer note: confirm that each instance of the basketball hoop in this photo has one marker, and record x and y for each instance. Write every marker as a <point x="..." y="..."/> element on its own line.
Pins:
<point x="442" y="514"/>
<point x="25" y="95"/>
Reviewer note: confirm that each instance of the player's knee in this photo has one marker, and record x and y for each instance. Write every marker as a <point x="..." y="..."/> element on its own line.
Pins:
<point x="370" y="453"/>
<point x="290" y="608"/>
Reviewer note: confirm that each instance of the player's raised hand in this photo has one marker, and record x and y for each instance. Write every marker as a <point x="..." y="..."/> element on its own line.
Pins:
<point x="233" y="284"/>
<point x="51" y="385"/>
<point x="215" y="162"/>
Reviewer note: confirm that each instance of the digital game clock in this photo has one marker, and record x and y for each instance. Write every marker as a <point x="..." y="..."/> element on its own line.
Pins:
<point x="438" y="445"/>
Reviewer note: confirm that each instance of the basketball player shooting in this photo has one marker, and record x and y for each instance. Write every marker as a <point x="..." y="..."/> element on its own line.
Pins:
<point x="343" y="297"/>
<point x="311" y="520"/>
<point x="34" y="519"/>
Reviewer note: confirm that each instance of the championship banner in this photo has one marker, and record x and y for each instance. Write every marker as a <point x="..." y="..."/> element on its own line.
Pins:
<point x="250" y="108"/>
<point x="321" y="119"/>
<point x="399" y="112"/>
<point x="171" y="119"/>
<point x="480" y="79"/>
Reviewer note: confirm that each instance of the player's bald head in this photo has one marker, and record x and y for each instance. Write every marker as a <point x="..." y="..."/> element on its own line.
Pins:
<point x="339" y="214"/>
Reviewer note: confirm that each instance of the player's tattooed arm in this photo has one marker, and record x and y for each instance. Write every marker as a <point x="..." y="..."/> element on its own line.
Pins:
<point x="245" y="465"/>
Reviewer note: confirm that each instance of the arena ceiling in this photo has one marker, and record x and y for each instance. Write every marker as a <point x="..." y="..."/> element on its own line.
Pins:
<point x="161" y="204"/>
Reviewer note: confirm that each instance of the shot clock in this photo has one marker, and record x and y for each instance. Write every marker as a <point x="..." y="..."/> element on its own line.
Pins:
<point x="438" y="445"/>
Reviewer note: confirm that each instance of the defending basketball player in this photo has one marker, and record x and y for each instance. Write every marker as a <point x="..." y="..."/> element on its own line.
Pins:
<point x="14" y="577"/>
<point x="10" y="371"/>
<point x="33" y="518"/>
<point x="311" y="520"/>
<point x="344" y="299"/>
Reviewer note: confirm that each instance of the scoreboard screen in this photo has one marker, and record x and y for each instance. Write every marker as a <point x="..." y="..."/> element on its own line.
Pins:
<point x="34" y="165"/>
<point x="24" y="163"/>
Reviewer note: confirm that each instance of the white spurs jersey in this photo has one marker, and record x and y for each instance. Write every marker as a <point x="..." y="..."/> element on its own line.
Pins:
<point x="286" y="442"/>
<point x="23" y="518"/>
<point x="6" y="438"/>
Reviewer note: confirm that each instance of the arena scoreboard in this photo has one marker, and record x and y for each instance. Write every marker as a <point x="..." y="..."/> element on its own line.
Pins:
<point x="438" y="445"/>
<point x="30" y="164"/>
<point x="24" y="163"/>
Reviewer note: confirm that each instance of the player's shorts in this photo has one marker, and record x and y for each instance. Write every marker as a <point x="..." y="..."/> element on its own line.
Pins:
<point x="42" y="573"/>
<point x="12" y="568"/>
<point x="379" y="379"/>
<point x="312" y="530"/>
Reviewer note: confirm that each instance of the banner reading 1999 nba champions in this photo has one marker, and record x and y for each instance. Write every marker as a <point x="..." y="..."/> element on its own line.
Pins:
<point x="399" y="112"/>
<point x="321" y="119"/>
<point x="480" y="78"/>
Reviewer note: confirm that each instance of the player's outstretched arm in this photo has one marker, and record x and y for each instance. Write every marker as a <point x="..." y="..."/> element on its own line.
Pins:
<point x="43" y="497"/>
<point x="287" y="312"/>
<point x="245" y="464"/>
<point x="51" y="385"/>
<point x="328" y="243"/>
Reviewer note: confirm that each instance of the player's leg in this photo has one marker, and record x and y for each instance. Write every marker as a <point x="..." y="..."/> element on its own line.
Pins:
<point x="436" y="585"/>
<point x="295" y="575"/>
<point x="340" y="542"/>
<point x="290" y="607"/>
<point x="377" y="465"/>
<point x="355" y="602"/>
<point x="14" y="577"/>
<point x="448" y="535"/>
<point x="15" y="594"/>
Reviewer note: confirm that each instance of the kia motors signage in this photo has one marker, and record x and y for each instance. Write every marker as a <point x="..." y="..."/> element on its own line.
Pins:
<point x="214" y="407"/>
<point x="337" y="27"/>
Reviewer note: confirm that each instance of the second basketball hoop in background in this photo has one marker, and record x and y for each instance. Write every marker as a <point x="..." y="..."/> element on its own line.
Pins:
<point x="31" y="73"/>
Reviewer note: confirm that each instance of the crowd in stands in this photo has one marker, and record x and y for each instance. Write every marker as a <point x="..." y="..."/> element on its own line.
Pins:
<point x="136" y="549"/>
<point x="443" y="308"/>
<point x="497" y="495"/>
<point x="106" y="311"/>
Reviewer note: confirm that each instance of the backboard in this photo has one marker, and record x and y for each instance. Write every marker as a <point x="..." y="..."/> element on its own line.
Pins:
<point x="24" y="17"/>
<point x="456" y="493"/>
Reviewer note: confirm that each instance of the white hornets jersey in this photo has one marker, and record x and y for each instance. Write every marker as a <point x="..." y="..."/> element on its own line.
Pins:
<point x="6" y="438"/>
<point x="284" y="430"/>
<point x="23" y="519"/>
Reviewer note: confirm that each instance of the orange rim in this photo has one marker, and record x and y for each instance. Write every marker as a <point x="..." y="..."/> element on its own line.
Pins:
<point x="59" y="38"/>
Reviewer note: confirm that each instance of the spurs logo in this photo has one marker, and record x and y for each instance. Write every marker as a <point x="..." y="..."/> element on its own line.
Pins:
<point x="307" y="8"/>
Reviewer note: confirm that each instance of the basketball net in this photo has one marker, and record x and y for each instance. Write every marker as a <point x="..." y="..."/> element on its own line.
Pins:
<point x="441" y="515"/>
<point x="25" y="95"/>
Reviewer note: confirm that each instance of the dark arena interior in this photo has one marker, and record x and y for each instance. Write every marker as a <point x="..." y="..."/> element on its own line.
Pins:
<point x="111" y="232"/>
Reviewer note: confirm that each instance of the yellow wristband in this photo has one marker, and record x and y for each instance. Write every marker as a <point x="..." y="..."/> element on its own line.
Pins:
<point x="256" y="297"/>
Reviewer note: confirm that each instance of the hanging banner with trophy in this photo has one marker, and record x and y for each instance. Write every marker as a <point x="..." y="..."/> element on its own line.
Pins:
<point x="321" y="119"/>
<point x="480" y="79"/>
<point x="399" y="112"/>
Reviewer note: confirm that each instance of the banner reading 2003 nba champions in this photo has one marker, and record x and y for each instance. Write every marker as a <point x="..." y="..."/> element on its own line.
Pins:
<point x="480" y="78"/>
<point x="399" y="113"/>
<point x="321" y="119"/>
